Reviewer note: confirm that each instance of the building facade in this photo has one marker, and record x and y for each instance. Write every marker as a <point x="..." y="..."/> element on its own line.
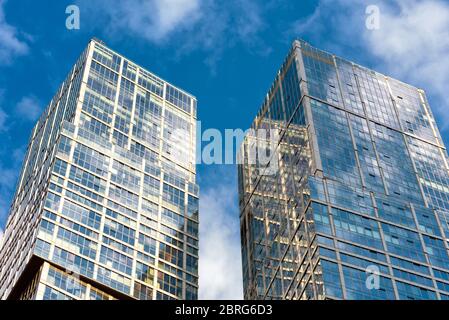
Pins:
<point x="106" y="205"/>
<point x="358" y="207"/>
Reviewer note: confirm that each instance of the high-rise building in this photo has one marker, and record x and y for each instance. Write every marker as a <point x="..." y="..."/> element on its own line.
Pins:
<point x="358" y="206"/>
<point x="106" y="205"/>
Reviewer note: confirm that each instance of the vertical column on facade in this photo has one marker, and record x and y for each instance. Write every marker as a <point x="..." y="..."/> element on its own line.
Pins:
<point x="373" y="142"/>
<point x="423" y="244"/>
<point x="292" y="225"/>
<point x="142" y="165"/>
<point x="250" y="190"/>
<point x="40" y="289"/>
<point x="313" y="143"/>
<point x="334" y="232"/>
<point x="443" y="154"/>
<point x="318" y="168"/>
<point x="421" y="188"/>
<point x="249" y="251"/>
<point x="430" y="117"/>
<point x="404" y="136"/>
<point x="384" y="244"/>
<point x="276" y="152"/>
<point x="159" y="217"/>
<point x="354" y="144"/>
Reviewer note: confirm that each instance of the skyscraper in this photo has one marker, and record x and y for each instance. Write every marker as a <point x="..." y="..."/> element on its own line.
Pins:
<point x="106" y="206"/>
<point x="358" y="207"/>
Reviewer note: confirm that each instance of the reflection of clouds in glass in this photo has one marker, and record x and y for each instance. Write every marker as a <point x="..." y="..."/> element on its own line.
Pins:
<point x="180" y="147"/>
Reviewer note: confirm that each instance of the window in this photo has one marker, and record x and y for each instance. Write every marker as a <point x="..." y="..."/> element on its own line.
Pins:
<point x="192" y="207"/>
<point x="60" y="167"/>
<point x="122" y="209"/>
<point x="144" y="273"/>
<point x="72" y="240"/>
<point x="170" y="254"/>
<point x="52" y="201"/>
<point x="191" y="292"/>
<point x="120" y="139"/>
<point x="114" y="280"/>
<point x="147" y="244"/>
<point x="91" y="160"/>
<point x="170" y="284"/>
<point x="116" y="260"/>
<point x="151" y="83"/>
<point x="106" y="57"/>
<point x="172" y="218"/>
<point x="87" y="179"/>
<point x="119" y="231"/>
<point x="102" y="80"/>
<point x="81" y="214"/>
<point x="94" y="126"/>
<point x="150" y="209"/>
<point x="126" y="95"/>
<point x="84" y="192"/>
<point x="73" y="262"/>
<point x="191" y="264"/>
<point x="123" y="219"/>
<point x="97" y="107"/>
<point x="173" y="196"/>
<point x="129" y="70"/>
<point x="178" y="98"/>
<point x="123" y="196"/>
<point x="125" y="176"/>
<point x="151" y="186"/>
<point x="52" y="294"/>
<point x="142" y="292"/>
<point x="192" y="228"/>
<point x="64" y="145"/>
<point x="66" y="283"/>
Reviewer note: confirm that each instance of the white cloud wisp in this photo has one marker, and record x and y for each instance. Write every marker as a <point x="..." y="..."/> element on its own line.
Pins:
<point x="220" y="267"/>
<point x="10" y="43"/>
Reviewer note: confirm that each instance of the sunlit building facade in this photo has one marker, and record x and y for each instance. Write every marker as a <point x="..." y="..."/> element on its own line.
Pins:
<point x="358" y="207"/>
<point x="106" y="205"/>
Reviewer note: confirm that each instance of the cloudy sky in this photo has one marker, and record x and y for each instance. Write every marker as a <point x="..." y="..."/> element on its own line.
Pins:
<point x="226" y="53"/>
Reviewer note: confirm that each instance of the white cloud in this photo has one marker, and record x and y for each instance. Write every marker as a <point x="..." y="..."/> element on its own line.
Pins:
<point x="3" y="120"/>
<point x="220" y="267"/>
<point x="18" y="155"/>
<point x="29" y="108"/>
<point x="10" y="44"/>
<point x="412" y="43"/>
<point x="151" y="19"/>
<point x="249" y="23"/>
<point x="3" y="115"/>
<point x="207" y="25"/>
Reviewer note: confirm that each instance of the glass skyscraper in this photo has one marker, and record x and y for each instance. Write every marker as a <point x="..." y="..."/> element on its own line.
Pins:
<point x="106" y="205"/>
<point x="358" y="207"/>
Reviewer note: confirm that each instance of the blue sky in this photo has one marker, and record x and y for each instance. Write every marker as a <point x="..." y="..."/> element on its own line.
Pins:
<point x="226" y="53"/>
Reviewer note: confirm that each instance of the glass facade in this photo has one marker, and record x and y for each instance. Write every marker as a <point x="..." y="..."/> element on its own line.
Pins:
<point x="361" y="189"/>
<point x="106" y="206"/>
